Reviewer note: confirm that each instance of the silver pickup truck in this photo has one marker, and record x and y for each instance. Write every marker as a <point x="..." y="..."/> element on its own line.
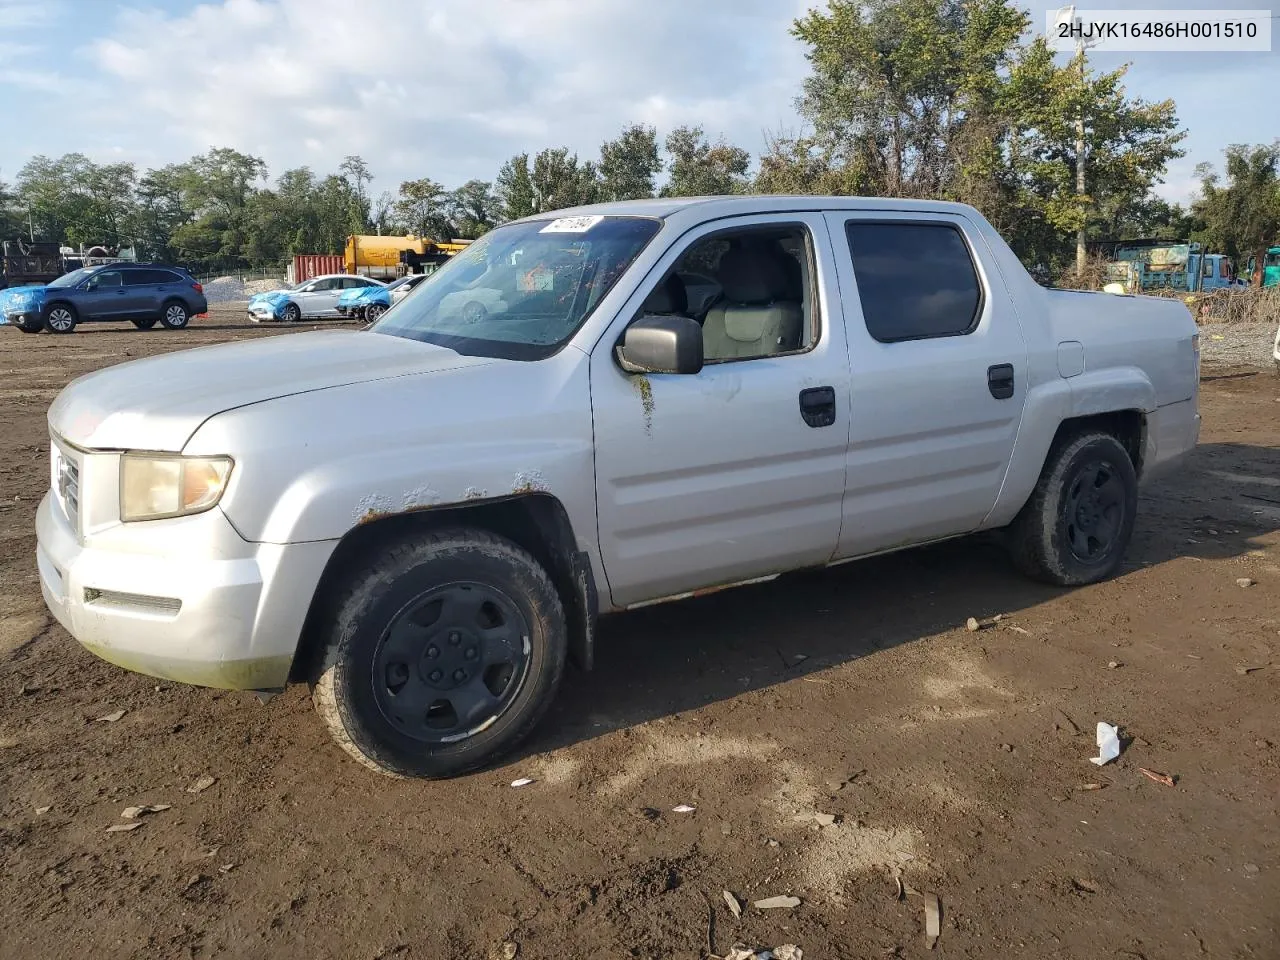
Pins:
<point x="585" y="412"/>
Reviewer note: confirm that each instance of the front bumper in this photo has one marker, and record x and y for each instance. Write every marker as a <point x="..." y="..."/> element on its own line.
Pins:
<point x="27" y="317"/>
<point x="217" y="611"/>
<point x="260" y="311"/>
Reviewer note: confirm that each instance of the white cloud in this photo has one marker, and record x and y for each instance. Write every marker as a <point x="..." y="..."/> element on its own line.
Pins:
<point x="20" y="14"/>
<point x="445" y="91"/>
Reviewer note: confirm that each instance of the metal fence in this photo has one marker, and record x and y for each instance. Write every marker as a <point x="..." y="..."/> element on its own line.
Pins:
<point x="246" y="275"/>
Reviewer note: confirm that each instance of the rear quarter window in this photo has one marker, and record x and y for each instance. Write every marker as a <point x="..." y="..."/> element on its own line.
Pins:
<point x="915" y="280"/>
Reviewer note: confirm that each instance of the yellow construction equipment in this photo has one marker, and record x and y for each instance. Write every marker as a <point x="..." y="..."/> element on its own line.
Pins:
<point x="386" y="258"/>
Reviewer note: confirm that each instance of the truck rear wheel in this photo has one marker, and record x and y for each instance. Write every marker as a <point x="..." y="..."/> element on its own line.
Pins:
<point x="443" y="655"/>
<point x="1077" y="524"/>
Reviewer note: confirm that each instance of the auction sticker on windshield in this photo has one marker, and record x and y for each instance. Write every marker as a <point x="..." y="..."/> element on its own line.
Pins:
<point x="571" y="225"/>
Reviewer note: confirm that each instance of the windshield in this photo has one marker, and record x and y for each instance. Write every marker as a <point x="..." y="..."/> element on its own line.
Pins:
<point x="72" y="278"/>
<point x="521" y="291"/>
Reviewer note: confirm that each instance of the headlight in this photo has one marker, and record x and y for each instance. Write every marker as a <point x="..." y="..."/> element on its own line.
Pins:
<point x="152" y="488"/>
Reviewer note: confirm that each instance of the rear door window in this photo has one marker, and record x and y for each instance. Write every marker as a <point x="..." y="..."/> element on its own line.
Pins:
<point x="915" y="280"/>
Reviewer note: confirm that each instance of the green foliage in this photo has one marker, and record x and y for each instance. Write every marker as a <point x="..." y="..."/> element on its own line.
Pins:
<point x="423" y="208"/>
<point x="939" y="98"/>
<point x="515" y="193"/>
<point x="629" y="164"/>
<point x="1242" y="215"/>
<point x="473" y="209"/>
<point x="701" y="169"/>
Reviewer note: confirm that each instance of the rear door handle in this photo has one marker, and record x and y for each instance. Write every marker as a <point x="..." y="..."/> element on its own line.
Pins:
<point x="818" y="406"/>
<point x="1000" y="380"/>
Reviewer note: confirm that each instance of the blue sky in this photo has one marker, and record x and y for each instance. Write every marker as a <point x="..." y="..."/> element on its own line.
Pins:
<point x="450" y="90"/>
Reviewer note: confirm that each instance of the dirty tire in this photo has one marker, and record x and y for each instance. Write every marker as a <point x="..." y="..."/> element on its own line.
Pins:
<point x="373" y="312"/>
<point x="1051" y="538"/>
<point x="292" y="312"/>
<point x="345" y="687"/>
<point x="144" y="323"/>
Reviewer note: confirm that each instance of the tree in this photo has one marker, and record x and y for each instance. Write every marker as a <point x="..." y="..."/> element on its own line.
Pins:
<point x="11" y="218"/>
<point x="515" y="193"/>
<point x="382" y="212"/>
<point x="939" y="98"/>
<point x="221" y="180"/>
<point x="473" y="208"/>
<point x="158" y="211"/>
<point x="629" y="164"/>
<point x="1128" y="142"/>
<point x="1243" y="215"/>
<point x="356" y="172"/>
<point x="560" y="180"/>
<point x="423" y="207"/>
<point x="895" y="83"/>
<point x="699" y="168"/>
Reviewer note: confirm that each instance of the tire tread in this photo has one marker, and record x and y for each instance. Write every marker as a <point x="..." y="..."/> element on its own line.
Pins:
<point x="361" y="589"/>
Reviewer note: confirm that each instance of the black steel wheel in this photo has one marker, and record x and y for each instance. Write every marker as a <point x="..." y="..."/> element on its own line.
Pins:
<point x="1095" y="511"/>
<point x="441" y="655"/>
<point x="1077" y="524"/>
<point x="451" y="661"/>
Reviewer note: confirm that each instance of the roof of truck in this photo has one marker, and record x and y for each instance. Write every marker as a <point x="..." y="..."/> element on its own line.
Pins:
<point x="711" y="208"/>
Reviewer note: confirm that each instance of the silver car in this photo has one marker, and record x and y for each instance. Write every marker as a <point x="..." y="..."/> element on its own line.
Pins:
<point x="317" y="297"/>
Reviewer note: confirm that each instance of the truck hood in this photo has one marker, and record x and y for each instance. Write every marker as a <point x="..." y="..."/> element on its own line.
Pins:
<point x="158" y="402"/>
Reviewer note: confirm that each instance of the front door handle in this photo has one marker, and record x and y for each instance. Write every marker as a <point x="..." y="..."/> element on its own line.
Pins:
<point x="1000" y="380"/>
<point x="818" y="406"/>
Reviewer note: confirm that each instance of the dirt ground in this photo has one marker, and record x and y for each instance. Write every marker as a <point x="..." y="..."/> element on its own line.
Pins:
<point x="959" y="759"/>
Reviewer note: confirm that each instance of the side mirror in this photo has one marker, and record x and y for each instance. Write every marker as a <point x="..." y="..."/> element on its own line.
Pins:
<point x="661" y="344"/>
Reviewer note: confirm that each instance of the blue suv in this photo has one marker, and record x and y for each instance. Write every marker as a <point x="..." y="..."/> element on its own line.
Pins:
<point x="144" y="293"/>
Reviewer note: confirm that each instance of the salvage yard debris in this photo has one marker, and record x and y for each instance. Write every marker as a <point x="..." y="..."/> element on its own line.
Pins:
<point x="787" y="951"/>
<point x="522" y="782"/>
<point x="777" y="903"/>
<point x="133" y="813"/>
<point x="201" y="785"/>
<point x="1108" y="744"/>
<point x="732" y="903"/>
<point x="1158" y="777"/>
<point x="111" y="717"/>
<point x="122" y="827"/>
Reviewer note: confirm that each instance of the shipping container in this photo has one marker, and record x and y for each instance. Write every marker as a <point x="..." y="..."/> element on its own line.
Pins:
<point x="308" y="265"/>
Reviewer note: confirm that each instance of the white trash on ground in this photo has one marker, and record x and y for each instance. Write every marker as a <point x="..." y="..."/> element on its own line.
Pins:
<point x="1108" y="744"/>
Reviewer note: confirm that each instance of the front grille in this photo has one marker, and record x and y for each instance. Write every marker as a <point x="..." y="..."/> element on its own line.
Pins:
<point x="66" y="483"/>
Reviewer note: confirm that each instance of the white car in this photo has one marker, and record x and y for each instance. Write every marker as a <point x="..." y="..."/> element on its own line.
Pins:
<point x="404" y="286"/>
<point x="317" y="297"/>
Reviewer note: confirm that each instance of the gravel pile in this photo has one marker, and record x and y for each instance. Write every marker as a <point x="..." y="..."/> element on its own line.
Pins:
<point x="231" y="288"/>
<point x="1237" y="344"/>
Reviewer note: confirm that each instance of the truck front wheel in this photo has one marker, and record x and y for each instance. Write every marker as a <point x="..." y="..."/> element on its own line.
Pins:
<point x="1077" y="524"/>
<point x="443" y="655"/>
